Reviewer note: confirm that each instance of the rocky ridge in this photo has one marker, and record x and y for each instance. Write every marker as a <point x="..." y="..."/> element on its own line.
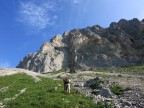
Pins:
<point x="121" y="44"/>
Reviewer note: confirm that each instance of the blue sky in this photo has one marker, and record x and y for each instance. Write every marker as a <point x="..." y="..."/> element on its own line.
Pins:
<point x="26" y="24"/>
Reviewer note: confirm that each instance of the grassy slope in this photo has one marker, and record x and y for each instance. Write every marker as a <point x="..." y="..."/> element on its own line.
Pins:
<point x="139" y="69"/>
<point x="38" y="94"/>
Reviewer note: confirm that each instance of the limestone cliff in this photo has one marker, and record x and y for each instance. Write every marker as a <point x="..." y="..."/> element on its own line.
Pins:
<point x="121" y="44"/>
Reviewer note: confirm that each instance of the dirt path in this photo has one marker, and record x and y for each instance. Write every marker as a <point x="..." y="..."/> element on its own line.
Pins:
<point x="11" y="71"/>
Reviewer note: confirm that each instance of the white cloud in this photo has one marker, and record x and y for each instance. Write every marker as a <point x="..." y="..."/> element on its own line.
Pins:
<point x="37" y="15"/>
<point x="4" y="64"/>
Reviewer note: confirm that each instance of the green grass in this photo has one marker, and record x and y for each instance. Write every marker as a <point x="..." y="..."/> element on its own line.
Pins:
<point x="59" y="71"/>
<point x="55" y="72"/>
<point x="116" y="89"/>
<point x="104" y="105"/>
<point x="138" y="69"/>
<point x="39" y="95"/>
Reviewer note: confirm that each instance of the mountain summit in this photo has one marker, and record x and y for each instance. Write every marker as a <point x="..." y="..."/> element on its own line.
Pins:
<point x="121" y="44"/>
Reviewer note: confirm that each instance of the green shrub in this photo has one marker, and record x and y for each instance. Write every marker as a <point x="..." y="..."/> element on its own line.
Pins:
<point x="104" y="105"/>
<point x="96" y="85"/>
<point x="116" y="89"/>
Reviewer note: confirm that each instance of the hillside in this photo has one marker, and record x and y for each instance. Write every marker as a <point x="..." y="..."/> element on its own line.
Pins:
<point x="19" y="90"/>
<point x="121" y="44"/>
<point x="117" y="88"/>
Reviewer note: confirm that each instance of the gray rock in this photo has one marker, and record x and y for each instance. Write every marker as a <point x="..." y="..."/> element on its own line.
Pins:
<point x="53" y="89"/>
<point x="47" y="59"/>
<point x="127" y="103"/>
<point x="90" y="48"/>
<point x="4" y="89"/>
<point x="105" y="92"/>
<point x="63" y="75"/>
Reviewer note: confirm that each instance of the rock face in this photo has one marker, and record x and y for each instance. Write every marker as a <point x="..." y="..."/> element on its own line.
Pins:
<point x="45" y="60"/>
<point x="121" y="44"/>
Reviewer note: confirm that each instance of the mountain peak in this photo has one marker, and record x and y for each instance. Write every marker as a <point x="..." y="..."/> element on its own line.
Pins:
<point x="89" y="48"/>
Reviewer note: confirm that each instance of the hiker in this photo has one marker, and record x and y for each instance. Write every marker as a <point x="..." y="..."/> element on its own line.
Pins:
<point x="67" y="84"/>
<point x="64" y="80"/>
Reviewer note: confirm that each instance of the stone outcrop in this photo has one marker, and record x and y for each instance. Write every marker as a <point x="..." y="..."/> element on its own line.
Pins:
<point x="45" y="60"/>
<point x="121" y="44"/>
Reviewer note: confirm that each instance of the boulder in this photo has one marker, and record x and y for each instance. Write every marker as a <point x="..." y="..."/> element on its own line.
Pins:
<point x="105" y="92"/>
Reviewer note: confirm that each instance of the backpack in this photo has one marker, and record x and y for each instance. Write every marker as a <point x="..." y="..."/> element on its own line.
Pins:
<point x="67" y="81"/>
